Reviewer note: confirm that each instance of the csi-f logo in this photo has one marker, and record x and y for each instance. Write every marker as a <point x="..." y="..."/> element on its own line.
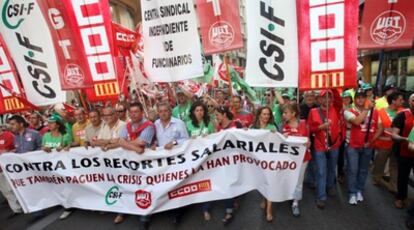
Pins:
<point x="10" y="12"/>
<point x="113" y="195"/>
<point x="388" y="27"/>
<point x="271" y="45"/>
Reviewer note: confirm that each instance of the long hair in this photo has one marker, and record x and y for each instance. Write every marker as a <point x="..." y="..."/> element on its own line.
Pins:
<point x="256" y="123"/>
<point x="62" y="127"/>
<point x="206" y="117"/>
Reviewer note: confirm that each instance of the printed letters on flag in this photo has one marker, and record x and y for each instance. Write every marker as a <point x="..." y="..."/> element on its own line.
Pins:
<point x="9" y="103"/>
<point x="328" y="34"/>
<point x="387" y="24"/>
<point x="91" y="22"/>
<point x="73" y="65"/>
<point x="171" y="42"/>
<point x="272" y="43"/>
<point x="220" y="25"/>
<point x="30" y="44"/>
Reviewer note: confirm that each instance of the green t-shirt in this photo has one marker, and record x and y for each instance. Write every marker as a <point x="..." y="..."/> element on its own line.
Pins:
<point x="277" y="114"/>
<point x="268" y="127"/>
<point x="182" y="112"/>
<point x="201" y="130"/>
<point x="411" y="136"/>
<point x="53" y="142"/>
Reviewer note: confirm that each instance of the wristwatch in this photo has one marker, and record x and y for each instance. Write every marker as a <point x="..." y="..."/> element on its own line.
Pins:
<point x="175" y="142"/>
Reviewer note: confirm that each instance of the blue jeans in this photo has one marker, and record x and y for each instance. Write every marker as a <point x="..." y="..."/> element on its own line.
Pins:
<point x="358" y="163"/>
<point x="326" y="171"/>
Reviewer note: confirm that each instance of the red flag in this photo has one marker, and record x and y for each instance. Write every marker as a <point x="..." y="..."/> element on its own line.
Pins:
<point x="328" y="35"/>
<point x="387" y="24"/>
<point x="124" y="42"/>
<point x="220" y="25"/>
<point x="90" y="23"/>
<point x="12" y="98"/>
<point x="73" y="64"/>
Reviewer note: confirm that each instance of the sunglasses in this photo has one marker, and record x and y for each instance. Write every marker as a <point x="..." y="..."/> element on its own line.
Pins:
<point x="267" y="95"/>
<point x="210" y="106"/>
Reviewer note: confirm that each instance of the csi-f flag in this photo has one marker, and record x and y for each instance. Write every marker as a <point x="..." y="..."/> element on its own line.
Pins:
<point x="272" y="43"/>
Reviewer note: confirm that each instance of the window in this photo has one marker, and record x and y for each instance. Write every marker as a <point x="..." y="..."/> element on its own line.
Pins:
<point x="121" y="14"/>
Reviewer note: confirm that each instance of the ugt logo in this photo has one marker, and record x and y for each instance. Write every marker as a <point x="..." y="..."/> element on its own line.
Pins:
<point x="388" y="27"/>
<point x="113" y="195"/>
<point x="11" y="11"/>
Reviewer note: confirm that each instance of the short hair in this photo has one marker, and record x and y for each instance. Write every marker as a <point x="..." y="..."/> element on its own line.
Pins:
<point x="112" y="109"/>
<point x="136" y="104"/>
<point x="19" y="119"/>
<point x="164" y="104"/>
<point x="237" y="96"/>
<point x="95" y="111"/>
<point x="225" y="110"/>
<point x="394" y="96"/>
<point x="80" y="109"/>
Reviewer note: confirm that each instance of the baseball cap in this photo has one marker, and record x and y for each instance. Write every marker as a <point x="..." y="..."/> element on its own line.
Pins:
<point x="366" y="86"/>
<point x="346" y="93"/>
<point x="54" y="118"/>
<point x="360" y="92"/>
<point x="388" y="87"/>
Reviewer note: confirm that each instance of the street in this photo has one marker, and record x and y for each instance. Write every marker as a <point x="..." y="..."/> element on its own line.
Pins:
<point x="376" y="212"/>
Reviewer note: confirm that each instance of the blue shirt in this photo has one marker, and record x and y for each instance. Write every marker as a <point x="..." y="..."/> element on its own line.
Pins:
<point x="146" y="135"/>
<point x="174" y="131"/>
<point x="30" y="140"/>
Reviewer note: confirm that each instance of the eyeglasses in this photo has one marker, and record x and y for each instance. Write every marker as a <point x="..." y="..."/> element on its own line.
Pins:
<point x="120" y="111"/>
<point x="210" y="106"/>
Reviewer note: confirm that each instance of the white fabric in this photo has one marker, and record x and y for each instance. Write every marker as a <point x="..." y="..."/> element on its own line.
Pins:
<point x="200" y="170"/>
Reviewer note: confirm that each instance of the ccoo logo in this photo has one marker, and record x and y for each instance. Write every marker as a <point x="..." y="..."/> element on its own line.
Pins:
<point x="388" y="27"/>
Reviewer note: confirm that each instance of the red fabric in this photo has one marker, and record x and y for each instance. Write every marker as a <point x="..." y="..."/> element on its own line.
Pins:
<point x="13" y="98"/>
<point x="220" y="31"/>
<point x="406" y="132"/>
<point x="73" y="64"/>
<point x="6" y="141"/>
<point x="301" y="131"/>
<point x="134" y="134"/>
<point x="328" y="57"/>
<point x="245" y="118"/>
<point x="387" y="24"/>
<point x="233" y="124"/>
<point x="358" y="132"/>
<point x="315" y="120"/>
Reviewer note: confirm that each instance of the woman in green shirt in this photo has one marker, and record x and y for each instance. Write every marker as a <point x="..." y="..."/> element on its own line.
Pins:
<point x="199" y="123"/>
<point x="57" y="137"/>
<point x="265" y="120"/>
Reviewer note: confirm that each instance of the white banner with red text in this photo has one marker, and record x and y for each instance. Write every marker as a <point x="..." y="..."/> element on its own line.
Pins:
<point x="219" y="166"/>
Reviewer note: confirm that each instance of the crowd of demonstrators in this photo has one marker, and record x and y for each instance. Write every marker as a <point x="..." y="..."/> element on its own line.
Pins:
<point x="336" y="125"/>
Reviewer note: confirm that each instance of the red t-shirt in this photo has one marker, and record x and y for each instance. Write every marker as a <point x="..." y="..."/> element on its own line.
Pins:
<point x="358" y="132"/>
<point x="301" y="131"/>
<point x="233" y="124"/>
<point x="315" y="120"/>
<point x="6" y="141"/>
<point x="245" y="118"/>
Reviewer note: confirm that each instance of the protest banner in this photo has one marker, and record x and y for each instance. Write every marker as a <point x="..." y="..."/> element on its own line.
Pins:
<point x="9" y="84"/>
<point x="272" y="44"/>
<point x="73" y="64"/>
<point x="387" y="24"/>
<point x="219" y="25"/>
<point x="172" y="50"/>
<point x="27" y="36"/>
<point x="328" y="36"/>
<point x="219" y="166"/>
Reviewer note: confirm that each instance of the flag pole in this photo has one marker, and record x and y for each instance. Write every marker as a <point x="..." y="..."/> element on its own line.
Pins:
<point x="227" y="63"/>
